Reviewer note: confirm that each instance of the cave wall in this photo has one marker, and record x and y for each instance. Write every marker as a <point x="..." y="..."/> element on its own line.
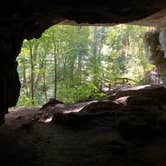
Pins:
<point x="155" y="45"/>
<point x="27" y="19"/>
<point x="9" y="80"/>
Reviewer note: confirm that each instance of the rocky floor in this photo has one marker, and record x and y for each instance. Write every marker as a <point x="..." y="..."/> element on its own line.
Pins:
<point x="129" y="131"/>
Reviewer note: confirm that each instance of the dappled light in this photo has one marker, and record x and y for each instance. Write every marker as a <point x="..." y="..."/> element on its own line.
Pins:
<point x="139" y="87"/>
<point x="46" y="120"/>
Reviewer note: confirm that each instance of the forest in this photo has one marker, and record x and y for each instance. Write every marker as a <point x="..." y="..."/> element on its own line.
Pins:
<point x="75" y="63"/>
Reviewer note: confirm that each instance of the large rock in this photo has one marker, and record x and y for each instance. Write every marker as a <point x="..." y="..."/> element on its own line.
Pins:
<point x="137" y="99"/>
<point x="155" y="92"/>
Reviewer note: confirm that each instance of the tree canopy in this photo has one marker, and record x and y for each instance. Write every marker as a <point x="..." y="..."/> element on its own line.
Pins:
<point x="74" y="63"/>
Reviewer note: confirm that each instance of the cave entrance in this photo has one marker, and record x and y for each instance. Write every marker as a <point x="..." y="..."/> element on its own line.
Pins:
<point x="79" y="63"/>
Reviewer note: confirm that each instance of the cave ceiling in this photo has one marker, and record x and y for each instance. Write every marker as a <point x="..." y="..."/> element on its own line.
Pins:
<point x="29" y="18"/>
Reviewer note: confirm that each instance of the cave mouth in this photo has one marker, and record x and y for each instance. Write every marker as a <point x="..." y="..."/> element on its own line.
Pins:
<point x="80" y="63"/>
<point x="129" y="124"/>
<point x="119" y="131"/>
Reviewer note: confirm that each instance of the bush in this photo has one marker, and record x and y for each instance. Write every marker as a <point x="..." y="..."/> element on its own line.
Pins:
<point x="84" y="92"/>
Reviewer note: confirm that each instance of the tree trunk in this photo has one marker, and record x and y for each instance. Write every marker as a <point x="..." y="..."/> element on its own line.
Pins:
<point x="24" y="72"/>
<point x="44" y="85"/>
<point x="94" y="55"/>
<point x="32" y="75"/>
<point x="80" y="65"/>
<point x="55" y="71"/>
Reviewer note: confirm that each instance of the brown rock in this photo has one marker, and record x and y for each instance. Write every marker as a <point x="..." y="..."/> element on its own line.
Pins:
<point x="105" y="105"/>
<point x="155" y="92"/>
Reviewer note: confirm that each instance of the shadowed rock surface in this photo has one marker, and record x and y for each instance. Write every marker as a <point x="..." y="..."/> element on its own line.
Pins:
<point x="129" y="133"/>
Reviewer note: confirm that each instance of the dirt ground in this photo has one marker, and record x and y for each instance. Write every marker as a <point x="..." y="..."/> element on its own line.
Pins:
<point x="34" y="138"/>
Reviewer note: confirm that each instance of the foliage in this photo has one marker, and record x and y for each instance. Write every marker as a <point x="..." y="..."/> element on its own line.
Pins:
<point x="74" y="63"/>
<point x="85" y="92"/>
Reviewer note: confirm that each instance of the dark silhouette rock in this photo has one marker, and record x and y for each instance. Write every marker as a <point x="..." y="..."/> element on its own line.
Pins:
<point x="135" y="127"/>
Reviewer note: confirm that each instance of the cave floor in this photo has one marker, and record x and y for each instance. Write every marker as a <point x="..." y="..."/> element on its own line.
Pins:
<point x="112" y="138"/>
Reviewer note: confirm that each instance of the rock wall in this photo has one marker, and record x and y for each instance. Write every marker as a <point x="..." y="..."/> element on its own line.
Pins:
<point x="155" y="44"/>
<point x="9" y="80"/>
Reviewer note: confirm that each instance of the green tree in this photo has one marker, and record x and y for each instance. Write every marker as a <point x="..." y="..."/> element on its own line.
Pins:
<point x="73" y="63"/>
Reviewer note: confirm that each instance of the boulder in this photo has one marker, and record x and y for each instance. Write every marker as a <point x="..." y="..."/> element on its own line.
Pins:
<point x="138" y="99"/>
<point x="154" y="92"/>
